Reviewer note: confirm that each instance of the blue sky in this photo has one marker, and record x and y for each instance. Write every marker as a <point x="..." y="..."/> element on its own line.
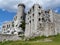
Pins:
<point x="8" y="8"/>
<point x="6" y="16"/>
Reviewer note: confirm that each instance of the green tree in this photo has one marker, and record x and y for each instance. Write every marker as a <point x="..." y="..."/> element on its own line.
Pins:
<point x="22" y="25"/>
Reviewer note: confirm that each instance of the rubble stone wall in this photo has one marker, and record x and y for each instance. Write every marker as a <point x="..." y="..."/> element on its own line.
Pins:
<point x="5" y="37"/>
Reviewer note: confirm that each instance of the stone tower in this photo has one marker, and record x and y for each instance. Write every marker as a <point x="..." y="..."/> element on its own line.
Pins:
<point x="32" y="20"/>
<point x="19" y="17"/>
<point x="39" y="22"/>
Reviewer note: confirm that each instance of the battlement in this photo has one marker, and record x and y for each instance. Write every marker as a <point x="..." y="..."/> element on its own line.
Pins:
<point x="21" y="5"/>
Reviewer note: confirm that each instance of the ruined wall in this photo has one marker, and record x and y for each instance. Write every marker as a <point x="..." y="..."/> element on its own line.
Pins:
<point x="57" y="22"/>
<point x="6" y="37"/>
<point x="6" y="26"/>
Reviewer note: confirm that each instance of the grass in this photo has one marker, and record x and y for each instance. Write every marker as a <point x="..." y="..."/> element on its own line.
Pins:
<point x="55" y="41"/>
<point x="37" y="38"/>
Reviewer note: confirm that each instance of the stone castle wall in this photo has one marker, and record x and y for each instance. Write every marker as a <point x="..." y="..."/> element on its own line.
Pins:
<point x="6" y="37"/>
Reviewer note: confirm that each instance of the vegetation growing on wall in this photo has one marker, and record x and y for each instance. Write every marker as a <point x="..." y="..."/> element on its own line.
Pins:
<point x="23" y="25"/>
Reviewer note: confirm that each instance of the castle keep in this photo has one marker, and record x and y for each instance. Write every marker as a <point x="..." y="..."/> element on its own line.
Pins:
<point x="38" y="22"/>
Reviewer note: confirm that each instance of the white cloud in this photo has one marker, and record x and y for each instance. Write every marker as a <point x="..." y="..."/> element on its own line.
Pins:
<point x="11" y="5"/>
<point x="3" y="9"/>
<point x="0" y="28"/>
<point x="56" y="11"/>
<point x="0" y="25"/>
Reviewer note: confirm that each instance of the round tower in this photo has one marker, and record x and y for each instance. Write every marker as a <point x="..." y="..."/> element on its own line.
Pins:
<point x="21" y="8"/>
<point x="19" y="16"/>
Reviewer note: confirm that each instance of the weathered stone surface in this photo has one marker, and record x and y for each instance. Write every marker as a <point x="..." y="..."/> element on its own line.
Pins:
<point x="38" y="22"/>
<point x="42" y="23"/>
<point x="6" y="37"/>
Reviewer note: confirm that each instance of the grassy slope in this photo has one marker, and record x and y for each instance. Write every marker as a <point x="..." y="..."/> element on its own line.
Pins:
<point x="56" y="41"/>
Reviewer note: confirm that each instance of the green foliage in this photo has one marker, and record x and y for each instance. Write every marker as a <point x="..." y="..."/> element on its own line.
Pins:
<point x="12" y="25"/>
<point x="55" y="38"/>
<point x="23" y="25"/>
<point x="37" y="38"/>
